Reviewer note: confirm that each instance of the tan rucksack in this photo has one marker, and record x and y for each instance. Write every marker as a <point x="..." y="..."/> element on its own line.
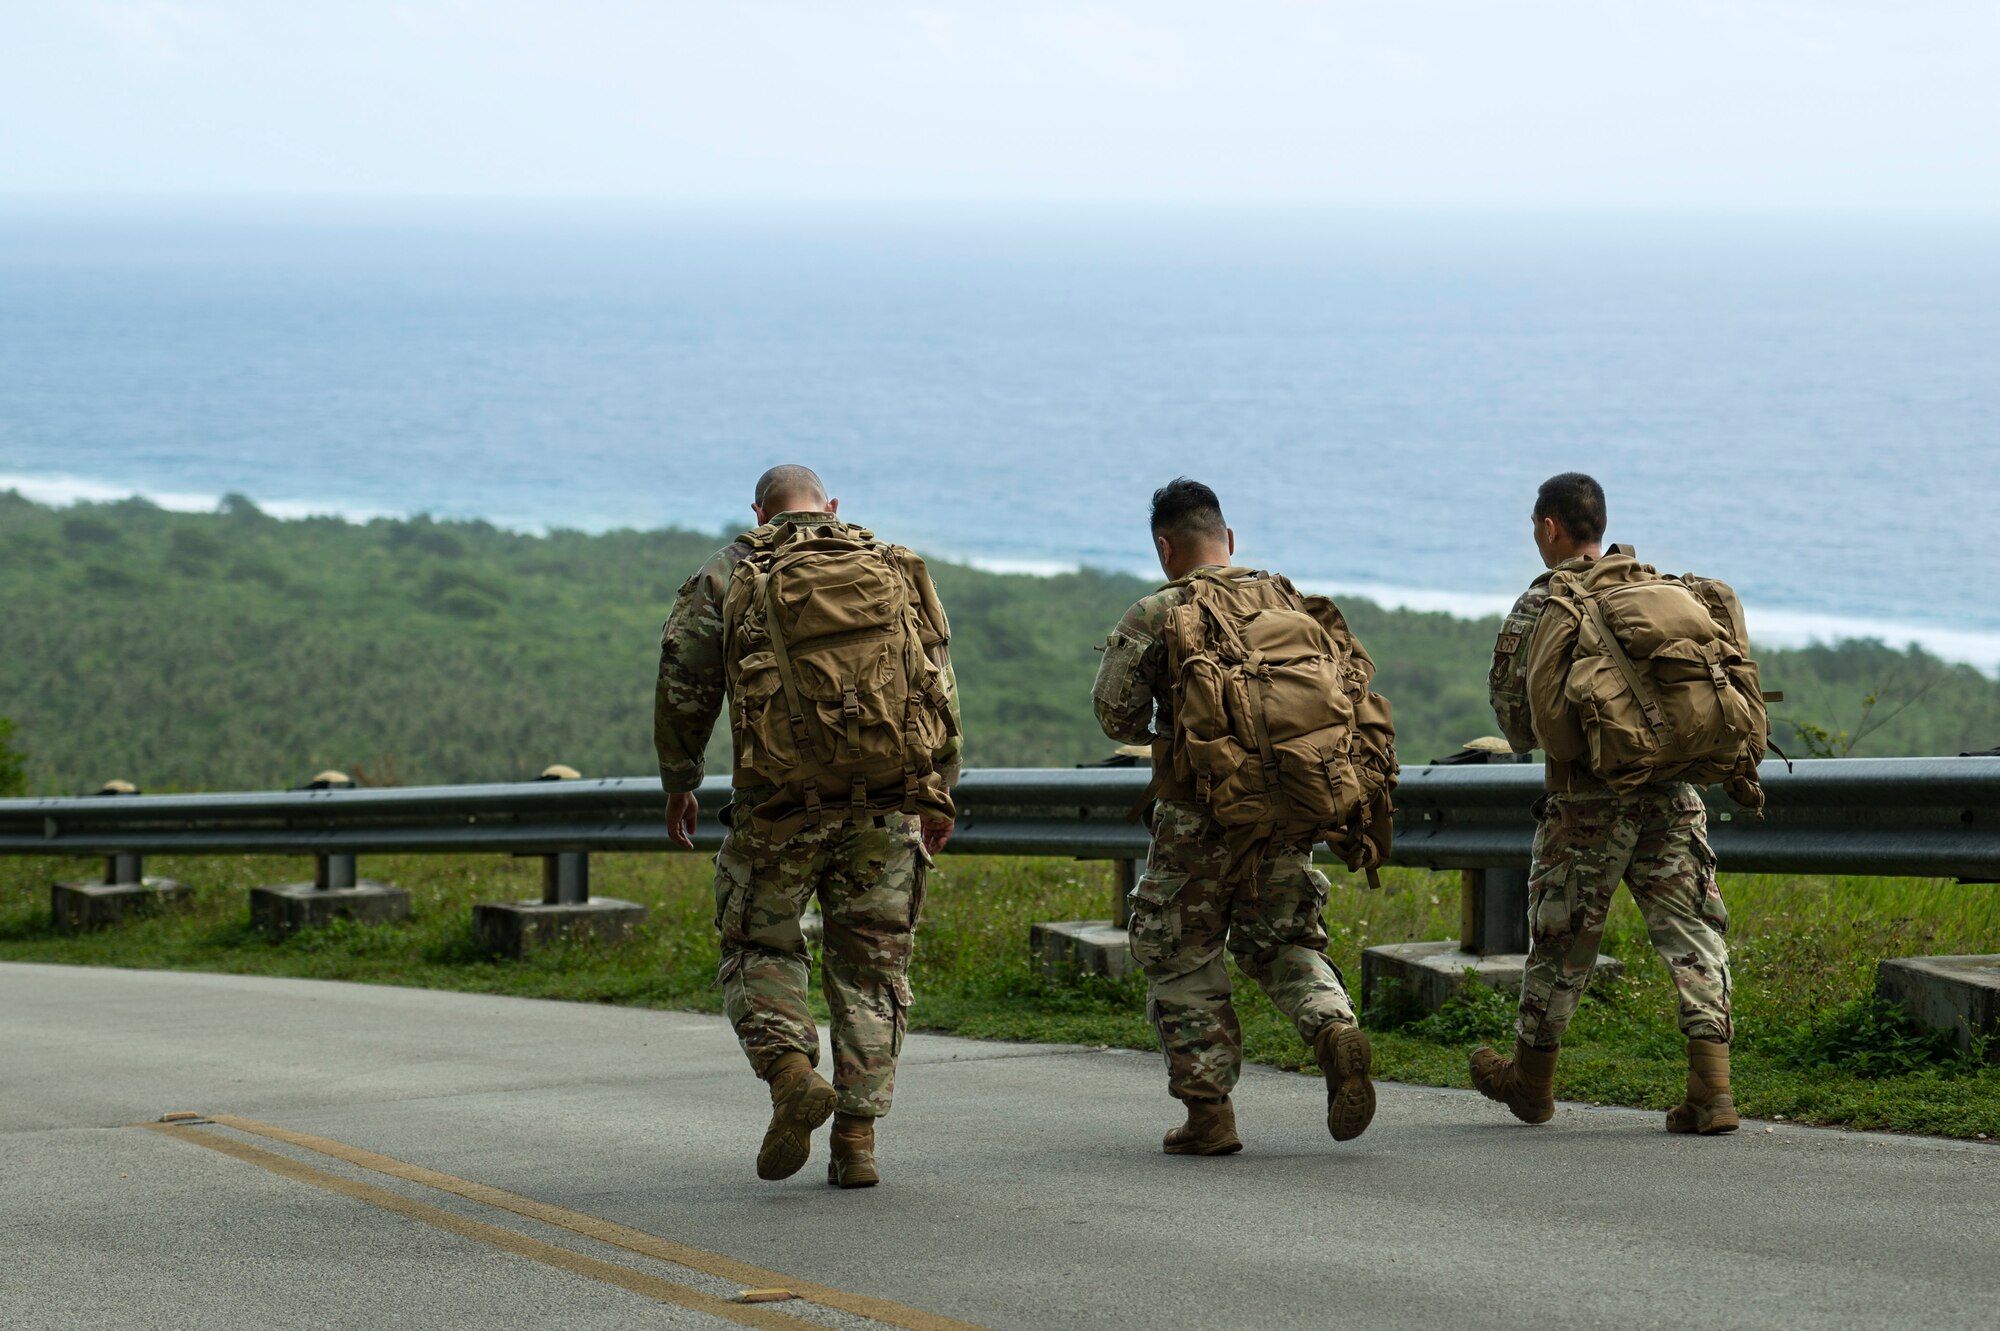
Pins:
<point x="1660" y="685"/>
<point x="833" y="694"/>
<point x="1274" y="724"/>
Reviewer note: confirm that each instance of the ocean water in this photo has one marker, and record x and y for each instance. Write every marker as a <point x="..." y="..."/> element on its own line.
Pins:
<point x="1807" y="408"/>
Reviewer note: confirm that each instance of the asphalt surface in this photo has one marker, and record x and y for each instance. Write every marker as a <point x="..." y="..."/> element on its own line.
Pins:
<point x="1024" y="1186"/>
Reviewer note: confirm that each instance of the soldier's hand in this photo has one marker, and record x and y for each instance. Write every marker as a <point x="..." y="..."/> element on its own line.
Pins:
<point x="936" y="832"/>
<point x="681" y="814"/>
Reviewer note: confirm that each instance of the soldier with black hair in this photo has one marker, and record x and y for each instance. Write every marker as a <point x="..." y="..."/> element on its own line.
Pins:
<point x="1628" y="742"/>
<point x="1243" y="794"/>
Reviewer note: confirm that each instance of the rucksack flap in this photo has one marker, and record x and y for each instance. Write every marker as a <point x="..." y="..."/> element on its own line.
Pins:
<point x="833" y="698"/>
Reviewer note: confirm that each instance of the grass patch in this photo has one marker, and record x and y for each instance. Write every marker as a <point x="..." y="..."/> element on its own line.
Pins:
<point x="1812" y="1044"/>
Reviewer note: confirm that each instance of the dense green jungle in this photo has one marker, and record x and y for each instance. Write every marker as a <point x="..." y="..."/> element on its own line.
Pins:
<point x="237" y="650"/>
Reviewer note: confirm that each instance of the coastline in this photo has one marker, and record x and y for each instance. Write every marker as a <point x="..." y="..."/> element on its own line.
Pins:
<point x="1777" y="627"/>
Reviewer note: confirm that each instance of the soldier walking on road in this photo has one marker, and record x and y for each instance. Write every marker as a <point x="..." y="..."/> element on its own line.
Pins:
<point x="831" y="649"/>
<point x="1640" y="690"/>
<point x="1265" y="739"/>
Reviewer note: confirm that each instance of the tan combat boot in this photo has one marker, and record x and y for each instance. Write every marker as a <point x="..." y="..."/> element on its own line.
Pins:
<point x="1708" y="1108"/>
<point x="1345" y="1056"/>
<point x="800" y="1101"/>
<point x="1210" y="1130"/>
<point x="853" y="1144"/>
<point x="1525" y="1083"/>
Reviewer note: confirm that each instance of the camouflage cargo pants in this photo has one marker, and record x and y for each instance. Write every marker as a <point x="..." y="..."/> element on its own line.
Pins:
<point x="869" y="878"/>
<point x="1182" y="914"/>
<point x="1657" y="843"/>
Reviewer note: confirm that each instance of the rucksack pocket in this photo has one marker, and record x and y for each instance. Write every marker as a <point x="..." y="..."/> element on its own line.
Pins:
<point x="1199" y="706"/>
<point x="1614" y="727"/>
<point x="1318" y="781"/>
<point x="1234" y="776"/>
<point x="763" y="723"/>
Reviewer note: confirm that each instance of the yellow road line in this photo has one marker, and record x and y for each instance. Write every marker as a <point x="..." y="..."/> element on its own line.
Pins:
<point x="639" y="1282"/>
<point x="608" y="1231"/>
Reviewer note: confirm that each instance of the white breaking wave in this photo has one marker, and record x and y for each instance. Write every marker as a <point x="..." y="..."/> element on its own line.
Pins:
<point x="1038" y="568"/>
<point x="62" y="491"/>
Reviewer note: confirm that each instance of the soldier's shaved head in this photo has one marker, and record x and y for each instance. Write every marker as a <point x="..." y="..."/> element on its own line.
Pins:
<point x="789" y="486"/>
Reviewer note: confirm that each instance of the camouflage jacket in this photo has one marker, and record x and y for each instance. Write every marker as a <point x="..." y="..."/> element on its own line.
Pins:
<point x="692" y="684"/>
<point x="1133" y="697"/>
<point x="1507" y="683"/>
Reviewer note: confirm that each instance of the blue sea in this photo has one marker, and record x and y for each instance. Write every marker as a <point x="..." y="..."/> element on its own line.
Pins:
<point x="1808" y="408"/>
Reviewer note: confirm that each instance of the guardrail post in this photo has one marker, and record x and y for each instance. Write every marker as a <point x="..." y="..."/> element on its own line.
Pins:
<point x="1400" y="980"/>
<point x="566" y="910"/>
<point x="332" y="872"/>
<point x="1493" y="911"/>
<point x="565" y="878"/>
<point x="337" y="891"/>
<point x="1125" y="876"/>
<point x="123" y="892"/>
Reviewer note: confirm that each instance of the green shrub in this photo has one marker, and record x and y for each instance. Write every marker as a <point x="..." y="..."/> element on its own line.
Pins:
<point x="1867" y="1037"/>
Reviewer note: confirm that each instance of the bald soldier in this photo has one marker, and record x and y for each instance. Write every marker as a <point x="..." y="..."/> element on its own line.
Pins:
<point x="832" y="650"/>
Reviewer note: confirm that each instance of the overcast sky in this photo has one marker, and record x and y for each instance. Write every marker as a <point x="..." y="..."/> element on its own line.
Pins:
<point x="1843" y="105"/>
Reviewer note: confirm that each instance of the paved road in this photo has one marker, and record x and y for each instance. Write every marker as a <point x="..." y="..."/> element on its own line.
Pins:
<point x="593" y="1169"/>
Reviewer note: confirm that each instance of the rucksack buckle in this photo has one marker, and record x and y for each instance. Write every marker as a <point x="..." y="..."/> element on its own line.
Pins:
<point x="858" y="796"/>
<point x="850" y="704"/>
<point x="1202" y="786"/>
<point x="1715" y="673"/>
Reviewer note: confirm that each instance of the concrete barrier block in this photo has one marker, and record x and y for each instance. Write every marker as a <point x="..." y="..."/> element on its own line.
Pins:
<point x="74" y="907"/>
<point x="512" y="928"/>
<point x="1069" y="948"/>
<point x="1957" y="994"/>
<point x="1401" y="980"/>
<point x="289" y="907"/>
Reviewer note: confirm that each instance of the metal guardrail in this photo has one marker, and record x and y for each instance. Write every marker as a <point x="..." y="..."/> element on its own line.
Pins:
<point x="1932" y="817"/>
<point x="1028" y="811"/>
<point x="1920" y="817"/>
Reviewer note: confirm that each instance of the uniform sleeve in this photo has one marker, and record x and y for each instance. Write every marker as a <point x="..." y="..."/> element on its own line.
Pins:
<point x="1507" y="684"/>
<point x="1130" y="677"/>
<point x="688" y="695"/>
<point x="948" y="757"/>
<point x="1558" y="729"/>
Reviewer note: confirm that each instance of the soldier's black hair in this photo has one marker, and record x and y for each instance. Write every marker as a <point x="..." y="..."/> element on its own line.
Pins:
<point x="789" y="481"/>
<point x="1574" y="500"/>
<point x="1183" y="508"/>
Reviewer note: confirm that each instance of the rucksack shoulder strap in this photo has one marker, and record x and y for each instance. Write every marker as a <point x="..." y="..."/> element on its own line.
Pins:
<point x="1642" y="695"/>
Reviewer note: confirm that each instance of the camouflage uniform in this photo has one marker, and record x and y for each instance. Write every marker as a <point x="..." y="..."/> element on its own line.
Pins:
<point x="1184" y="911"/>
<point x="1590" y="838"/>
<point x="867" y="873"/>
